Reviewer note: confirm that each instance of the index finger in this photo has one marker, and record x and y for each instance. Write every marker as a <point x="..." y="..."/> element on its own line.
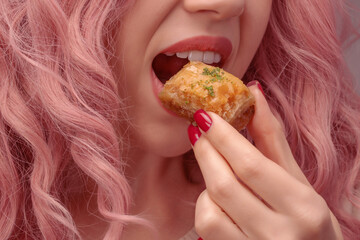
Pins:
<point x="263" y="176"/>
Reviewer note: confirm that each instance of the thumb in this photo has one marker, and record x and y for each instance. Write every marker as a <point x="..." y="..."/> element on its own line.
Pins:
<point x="268" y="134"/>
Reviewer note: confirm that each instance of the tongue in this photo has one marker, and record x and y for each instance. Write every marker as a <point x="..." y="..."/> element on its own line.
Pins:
<point x="167" y="66"/>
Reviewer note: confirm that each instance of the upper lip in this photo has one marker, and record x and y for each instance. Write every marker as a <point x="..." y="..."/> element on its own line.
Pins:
<point x="220" y="45"/>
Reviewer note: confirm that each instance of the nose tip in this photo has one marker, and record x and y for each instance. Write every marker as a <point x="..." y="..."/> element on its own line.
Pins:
<point x="220" y="9"/>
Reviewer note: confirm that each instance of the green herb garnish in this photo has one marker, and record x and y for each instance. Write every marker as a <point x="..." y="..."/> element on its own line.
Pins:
<point x="210" y="90"/>
<point x="215" y="73"/>
<point x="206" y="71"/>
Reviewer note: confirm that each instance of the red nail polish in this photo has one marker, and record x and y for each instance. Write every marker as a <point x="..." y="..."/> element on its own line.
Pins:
<point x="194" y="134"/>
<point x="203" y="120"/>
<point x="257" y="84"/>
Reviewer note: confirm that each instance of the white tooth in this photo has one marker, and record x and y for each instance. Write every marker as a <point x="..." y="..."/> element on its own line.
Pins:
<point x="208" y="57"/>
<point x="196" y="56"/>
<point x="182" y="54"/>
<point x="169" y="54"/>
<point x="217" y="58"/>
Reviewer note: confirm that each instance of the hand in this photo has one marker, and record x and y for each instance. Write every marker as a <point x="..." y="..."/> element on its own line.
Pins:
<point x="255" y="192"/>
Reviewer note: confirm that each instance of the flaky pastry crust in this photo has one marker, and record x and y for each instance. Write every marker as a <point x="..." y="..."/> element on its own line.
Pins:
<point x="200" y="86"/>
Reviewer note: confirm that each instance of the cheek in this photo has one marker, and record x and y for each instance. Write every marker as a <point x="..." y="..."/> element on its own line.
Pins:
<point x="152" y="129"/>
<point x="253" y="24"/>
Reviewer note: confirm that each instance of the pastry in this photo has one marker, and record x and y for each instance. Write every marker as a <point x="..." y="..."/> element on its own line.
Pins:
<point x="201" y="86"/>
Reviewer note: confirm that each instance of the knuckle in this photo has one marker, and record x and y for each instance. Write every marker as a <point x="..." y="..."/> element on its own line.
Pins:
<point x="206" y="223"/>
<point x="222" y="188"/>
<point x="306" y="197"/>
<point x="249" y="169"/>
<point x="321" y="218"/>
<point x="314" y="215"/>
<point x="271" y="127"/>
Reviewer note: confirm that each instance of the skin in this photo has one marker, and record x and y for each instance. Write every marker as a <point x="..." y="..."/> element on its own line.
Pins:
<point x="140" y="39"/>
<point x="248" y="186"/>
<point x="162" y="192"/>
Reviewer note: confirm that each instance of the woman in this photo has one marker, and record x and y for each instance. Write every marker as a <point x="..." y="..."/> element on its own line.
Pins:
<point x="87" y="150"/>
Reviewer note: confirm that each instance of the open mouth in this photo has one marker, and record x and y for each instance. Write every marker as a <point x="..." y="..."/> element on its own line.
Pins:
<point x="208" y="49"/>
<point x="166" y="65"/>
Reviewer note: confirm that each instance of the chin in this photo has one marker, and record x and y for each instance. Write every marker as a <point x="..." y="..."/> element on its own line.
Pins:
<point x="164" y="141"/>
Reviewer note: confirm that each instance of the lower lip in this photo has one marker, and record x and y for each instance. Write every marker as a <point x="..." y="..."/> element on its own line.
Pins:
<point x="157" y="86"/>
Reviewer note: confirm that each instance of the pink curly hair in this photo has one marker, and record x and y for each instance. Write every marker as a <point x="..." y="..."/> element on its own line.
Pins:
<point x="60" y="112"/>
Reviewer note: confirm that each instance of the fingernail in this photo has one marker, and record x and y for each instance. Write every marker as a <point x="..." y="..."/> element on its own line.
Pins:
<point x="252" y="83"/>
<point x="203" y="120"/>
<point x="194" y="134"/>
